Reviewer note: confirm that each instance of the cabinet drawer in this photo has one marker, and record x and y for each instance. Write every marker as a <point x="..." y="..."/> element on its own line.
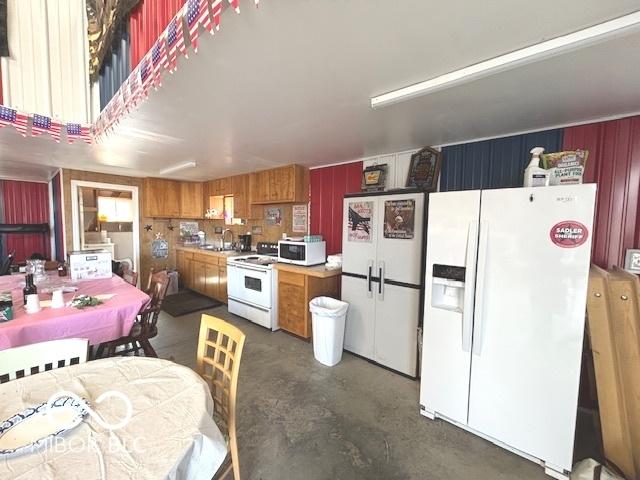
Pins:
<point x="291" y="278"/>
<point x="208" y="259"/>
<point x="185" y="255"/>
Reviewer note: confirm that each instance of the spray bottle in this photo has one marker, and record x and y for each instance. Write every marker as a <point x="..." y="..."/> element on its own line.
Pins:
<point x="534" y="174"/>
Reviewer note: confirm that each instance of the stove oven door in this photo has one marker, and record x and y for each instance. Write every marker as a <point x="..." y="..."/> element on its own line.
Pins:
<point x="250" y="285"/>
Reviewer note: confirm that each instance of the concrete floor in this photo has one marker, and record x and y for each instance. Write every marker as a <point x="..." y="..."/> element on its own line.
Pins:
<point x="298" y="419"/>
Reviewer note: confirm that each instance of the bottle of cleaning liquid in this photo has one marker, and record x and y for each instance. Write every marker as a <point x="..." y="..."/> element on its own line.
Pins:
<point x="534" y="174"/>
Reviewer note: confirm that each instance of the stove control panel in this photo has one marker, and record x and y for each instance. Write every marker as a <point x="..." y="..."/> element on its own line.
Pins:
<point x="267" y="248"/>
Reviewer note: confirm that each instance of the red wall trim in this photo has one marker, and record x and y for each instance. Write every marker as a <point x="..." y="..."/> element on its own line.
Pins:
<point x="328" y="186"/>
<point x="26" y="202"/>
<point x="614" y="164"/>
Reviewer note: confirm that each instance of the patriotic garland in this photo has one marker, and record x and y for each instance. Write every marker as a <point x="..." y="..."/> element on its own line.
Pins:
<point x="163" y="56"/>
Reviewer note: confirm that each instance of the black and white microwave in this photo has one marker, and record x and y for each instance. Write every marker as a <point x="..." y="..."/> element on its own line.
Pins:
<point x="302" y="253"/>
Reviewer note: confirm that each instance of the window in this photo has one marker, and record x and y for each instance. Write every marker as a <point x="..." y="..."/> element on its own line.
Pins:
<point x="112" y="209"/>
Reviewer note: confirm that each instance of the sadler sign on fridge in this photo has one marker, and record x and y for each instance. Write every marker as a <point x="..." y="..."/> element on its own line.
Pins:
<point x="569" y="234"/>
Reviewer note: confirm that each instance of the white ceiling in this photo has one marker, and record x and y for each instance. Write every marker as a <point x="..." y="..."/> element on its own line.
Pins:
<point x="290" y="82"/>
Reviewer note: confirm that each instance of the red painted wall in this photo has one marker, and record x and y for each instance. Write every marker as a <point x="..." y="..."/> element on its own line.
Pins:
<point x="328" y="186"/>
<point x="614" y="164"/>
<point x="146" y="22"/>
<point x="26" y="202"/>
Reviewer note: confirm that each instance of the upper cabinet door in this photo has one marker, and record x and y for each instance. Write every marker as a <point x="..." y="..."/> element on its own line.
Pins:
<point x="191" y="200"/>
<point x="360" y="223"/>
<point x="259" y="185"/>
<point x="400" y="237"/>
<point x="288" y="184"/>
<point x="161" y="198"/>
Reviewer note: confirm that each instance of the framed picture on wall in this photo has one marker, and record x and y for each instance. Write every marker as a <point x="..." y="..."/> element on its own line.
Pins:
<point x="424" y="169"/>
<point x="632" y="261"/>
<point x="374" y="178"/>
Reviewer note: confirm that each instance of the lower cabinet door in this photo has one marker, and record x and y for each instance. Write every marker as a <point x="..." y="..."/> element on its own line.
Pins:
<point x="396" y="328"/>
<point x="291" y="313"/>
<point x="212" y="280"/>
<point x="222" y="284"/>
<point x="360" y="323"/>
<point x="199" y="276"/>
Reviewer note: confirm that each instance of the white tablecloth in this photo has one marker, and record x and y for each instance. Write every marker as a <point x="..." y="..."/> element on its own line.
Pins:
<point x="171" y="433"/>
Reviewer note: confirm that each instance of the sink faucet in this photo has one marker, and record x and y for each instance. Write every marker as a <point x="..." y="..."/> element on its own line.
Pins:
<point x="224" y="233"/>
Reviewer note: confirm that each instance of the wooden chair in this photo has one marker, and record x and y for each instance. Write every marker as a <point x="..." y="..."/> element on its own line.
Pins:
<point x="23" y="361"/>
<point x="145" y="326"/>
<point x="130" y="277"/>
<point x="219" y="352"/>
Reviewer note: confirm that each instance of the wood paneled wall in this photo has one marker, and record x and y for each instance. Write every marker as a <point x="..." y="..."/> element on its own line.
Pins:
<point x="614" y="164"/>
<point x="269" y="232"/>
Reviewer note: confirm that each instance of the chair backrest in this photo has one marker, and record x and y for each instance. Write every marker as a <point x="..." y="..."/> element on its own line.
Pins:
<point x="220" y="347"/>
<point x="130" y="277"/>
<point x="158" y="284"/>
<point x="23" y="361"/>
<point x="6" y="264"/>
<point x="147" y="287"/>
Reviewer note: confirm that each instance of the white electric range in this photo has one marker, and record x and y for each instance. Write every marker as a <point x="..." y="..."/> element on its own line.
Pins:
<point x="252" y="286"/>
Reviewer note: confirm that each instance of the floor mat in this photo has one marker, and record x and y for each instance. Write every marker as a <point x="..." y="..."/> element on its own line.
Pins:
<point x="187" y="301"/>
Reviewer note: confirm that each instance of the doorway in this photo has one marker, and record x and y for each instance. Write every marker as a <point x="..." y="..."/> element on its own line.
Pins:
<point x="106" y="217"/>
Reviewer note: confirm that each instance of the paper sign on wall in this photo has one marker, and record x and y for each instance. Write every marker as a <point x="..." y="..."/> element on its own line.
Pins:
<point x="399" y="218"/>
<point x="299" y="218"/>
<point x="273" y="215"/>
<point x="359" y="222"/>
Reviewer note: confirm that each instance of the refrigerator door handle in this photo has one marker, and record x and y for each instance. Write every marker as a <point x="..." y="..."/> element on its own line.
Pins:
<point x="478" y="323"/>
<point x="369" y="271"/>
<point x="469" y="287"/>
<point x="381" y="284"/>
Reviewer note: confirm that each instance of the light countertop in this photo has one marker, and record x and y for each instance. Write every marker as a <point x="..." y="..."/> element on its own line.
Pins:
<point x="316" y="271"/>
<point x="213" y="253"/>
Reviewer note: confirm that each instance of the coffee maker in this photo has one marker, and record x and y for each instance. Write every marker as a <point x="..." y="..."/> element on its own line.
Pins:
<point x="245" y="242"/>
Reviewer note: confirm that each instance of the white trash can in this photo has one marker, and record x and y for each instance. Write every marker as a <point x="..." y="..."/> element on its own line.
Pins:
<point x="328" y="316"/>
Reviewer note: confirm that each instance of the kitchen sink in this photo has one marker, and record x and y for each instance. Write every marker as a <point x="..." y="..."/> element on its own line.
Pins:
<point x="214" y="248"/>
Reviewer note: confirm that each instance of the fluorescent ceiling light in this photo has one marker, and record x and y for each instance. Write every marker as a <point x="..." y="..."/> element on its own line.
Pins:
<point x="573" y="41"/>
<point x="177" y="167"/>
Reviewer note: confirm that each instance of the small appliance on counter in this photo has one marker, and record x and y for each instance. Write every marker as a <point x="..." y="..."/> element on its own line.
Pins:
<point x="244" y="242"/>
<point x="299" y="252"/>
<point x="89" y="264"/>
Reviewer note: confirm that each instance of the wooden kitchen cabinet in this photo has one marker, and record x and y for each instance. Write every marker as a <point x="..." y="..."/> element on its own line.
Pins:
<point x="191" y="200"/>
<point x="161" y="198"/>
<point x="204" y="273"/>
<point x="296" y="287"/>
<point x="219" y="186"/>
<point x="184" y="263"/>
<point x="222" y="282"/>
<point x="288" y="184"/>
<point x="240" y="192"/>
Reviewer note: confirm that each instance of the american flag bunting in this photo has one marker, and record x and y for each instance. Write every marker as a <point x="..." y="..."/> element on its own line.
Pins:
<point x="75" y="131"/>
<point x="146" y="76"/>
<point x="10" y="116"/>
<point x="158" y="58"/>
<point x="235" y="4"/>
<point x="42" y="124"/>
<point x="172" y="45"/>
<point x="180" y="45"/>
<point x="205" y="17"/>
<point x="193" y="21"/>
<point x="216" y="12"/>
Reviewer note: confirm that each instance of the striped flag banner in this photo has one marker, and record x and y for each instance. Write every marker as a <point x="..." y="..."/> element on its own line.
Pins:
<point x="235" y="4"/>
<point x="205" y="17"/>
<point x="172" y="45"/>
<point x="193" y="21"/>
<point x="76" y="131"/>
<point x="216" y="13"/>
<point x="180" y="45"/>
<point x="158" y="58"/>
<point x="10" y="116"/>
<point x="43" y="124"/>
<point x="146" y="77"/>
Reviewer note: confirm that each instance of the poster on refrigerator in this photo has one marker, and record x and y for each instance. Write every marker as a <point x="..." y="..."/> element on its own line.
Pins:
<point x="299" y="218"/>
<point x="399" y="218"/>
<point x="360" y="221"/>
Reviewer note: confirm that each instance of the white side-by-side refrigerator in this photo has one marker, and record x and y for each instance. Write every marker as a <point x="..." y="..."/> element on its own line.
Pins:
<point x="505" y="294"/>
<point x="382" y="276"/>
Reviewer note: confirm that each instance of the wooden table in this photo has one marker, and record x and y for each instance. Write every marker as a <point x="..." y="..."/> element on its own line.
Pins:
<point x="108" y="321"/>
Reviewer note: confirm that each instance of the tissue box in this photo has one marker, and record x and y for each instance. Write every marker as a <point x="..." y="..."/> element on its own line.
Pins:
<point x="89" y="264"/>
